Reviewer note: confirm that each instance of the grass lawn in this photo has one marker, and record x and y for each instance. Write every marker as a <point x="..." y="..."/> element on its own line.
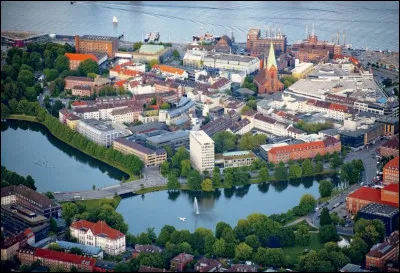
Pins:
<point x="296" y="251"/>
<point x="152" y="189"/>
<point x="23" y="117"/>
<point x="304" y="222"/>
<point x="91" y="205"/>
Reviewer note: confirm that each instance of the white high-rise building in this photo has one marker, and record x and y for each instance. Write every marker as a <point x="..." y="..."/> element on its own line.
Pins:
<point x="201" y="151"/>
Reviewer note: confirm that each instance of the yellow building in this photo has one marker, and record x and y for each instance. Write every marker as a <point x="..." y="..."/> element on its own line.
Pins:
<point x="72" y="121"/>
<point x="148" y="156"/>
<point x="302" y="70"/>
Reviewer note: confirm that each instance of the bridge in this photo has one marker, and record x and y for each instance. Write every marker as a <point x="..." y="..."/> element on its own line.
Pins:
<point x="151" y="178"/>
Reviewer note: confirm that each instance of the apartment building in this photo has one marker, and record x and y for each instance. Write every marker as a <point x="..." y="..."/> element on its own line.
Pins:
<point x="99" y="234"/>
<point x="72" y="81"/>
<point x="201" y="151"/>
<point x="75" y="59"/>
<point x="148" y="156"/>
<point x="170" y="71"/>
<point x="127" y="114"/>
<point x="97" y="131"/>
<point x="391" y="171"/>
<point x="379" y="254"/>
<point x="91" y="112"/>
<point x="10" y="245"/>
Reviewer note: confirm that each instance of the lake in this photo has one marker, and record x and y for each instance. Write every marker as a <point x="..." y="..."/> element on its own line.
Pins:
<point x="29" y="149"/>
<point x="374" y="25"/>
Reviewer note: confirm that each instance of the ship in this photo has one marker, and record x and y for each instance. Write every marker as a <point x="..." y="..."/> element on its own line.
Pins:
<point x="207" y="38"/>
<point x="146" y="37"/>
<point x="154" y="37"/>
<point x="73" y="2"/>
<point x="115" y="20"/>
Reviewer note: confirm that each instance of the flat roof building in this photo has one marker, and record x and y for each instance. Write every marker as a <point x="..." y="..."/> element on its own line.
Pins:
<point x="87" y="250"/>
<point x="174" y="139"/>
<point x="96" y="44"/>
<point x="97" y="131"/>
<point x="235" y="159"/>
<point x="201" y="151"/>
<point x="387" y="214"/>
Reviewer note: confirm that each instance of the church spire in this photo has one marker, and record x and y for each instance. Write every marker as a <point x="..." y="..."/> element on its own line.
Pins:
<point x="271" y="58"/>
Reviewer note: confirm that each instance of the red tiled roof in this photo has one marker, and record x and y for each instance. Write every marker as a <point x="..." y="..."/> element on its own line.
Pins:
<point x="393" y="164"/>
<point x="65" y="257"/>
<point x="370" y="194"/>
<point x="80" y="57"/>
<point x="391" y="187"/>
<point x="297" y="147"/>
<point x="120" y="83"/>
<point x="338" y="107"/>
<point x="169" y="69"/>
<point x="98" y="228"/>
<point x="79" y="103"/>
<point x="183" y="258"/>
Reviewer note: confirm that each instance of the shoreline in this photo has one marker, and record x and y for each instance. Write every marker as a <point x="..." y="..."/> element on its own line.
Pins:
<point x="132" y="176"/>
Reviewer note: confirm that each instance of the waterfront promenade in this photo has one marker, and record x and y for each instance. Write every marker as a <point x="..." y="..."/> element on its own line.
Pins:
<point x="151" y="178"/>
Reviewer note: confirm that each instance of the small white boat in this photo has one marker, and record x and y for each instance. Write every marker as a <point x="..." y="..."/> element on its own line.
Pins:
<point x="115" y="20"/>
<point x="183" y="219"/>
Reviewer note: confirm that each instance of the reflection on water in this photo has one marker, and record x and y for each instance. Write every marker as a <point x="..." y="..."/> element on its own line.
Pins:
<point x="228" y="205"/>
<point x="26" y="145"/>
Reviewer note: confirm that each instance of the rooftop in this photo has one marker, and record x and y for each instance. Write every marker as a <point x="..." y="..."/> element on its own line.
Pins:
<point x="297" y="147"/>
<point x="231" y="58"/>
<point x="380" y="209"/>
<point x="134" y="145"/>
<point x="183" y="258"/>
<point x="393" y="164"/>
<point x="80" y="57"/>
<point x="100" y="228"/>
<point x="201" y="137"/>
<point x="98" y="38"/>
<point x="370" y="194"/>
<point x="170" y="136"/>
<point x="380" y="250"/>
<point x="65" y="257"/>
<point x="236" y="155"/>
<point x="392" y="187"/>
<point x="91" y="250"/>
<point x="169" y="69"/>
<point x="151" y="49"/>
<point x="75" y="78"/>
<point x="97" y="124"/>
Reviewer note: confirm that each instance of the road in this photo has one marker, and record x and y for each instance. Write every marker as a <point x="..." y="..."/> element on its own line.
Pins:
<point x="151" y="178"/>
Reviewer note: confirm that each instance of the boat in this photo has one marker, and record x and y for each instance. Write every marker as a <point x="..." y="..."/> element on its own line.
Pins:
<point x="115" y="20"/>
<point x="183" y="219"/>
<point x="154" y="36"/>
<point x="146" y="37"/>
<point x="73" y="2"/>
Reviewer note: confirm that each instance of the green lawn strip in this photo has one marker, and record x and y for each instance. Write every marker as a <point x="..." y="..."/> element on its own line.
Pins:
<point x="132" y="176"/>
<point x="92" y="205"/>
<point x="295" y="251"/>
<point x="152" y="189"/>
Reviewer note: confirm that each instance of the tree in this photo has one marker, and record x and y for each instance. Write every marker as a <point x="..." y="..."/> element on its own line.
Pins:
<point x="295" y="171"/>
<point x="137" y="45"/>
<point x="68" y="212"/>
<point x="165" y="235"/>
<point x="319" y="167"/>
<point x="307" y="204"/>
<point x="220" y="228"/>
<point x="302" y="236"/>
<point x="165" y="105"/>
<point x="143" y="239"/>
<point x="216" y="177"/>
<point x="325" y="188"/>
<point x="61" y="63"/>
<point x="153" y="62"/>
<point x="55" y="247"/>
<point x="53" y="225"/>
<point x="245" y="109"/>
<point x="219" y="248"/>
<point x="328" y="233"/>
<point x="252" y="240"/>
<point x="224" y="141"/>
<point x="358" y="249"/>
<point x="173" y="183"/>
<point x="325" y="218"/>
<point x="243" y="252"/>
<point x="371" y="231"/>
<point x="176" y="54"/>
<point x="336" y="161"/>
<point x="286" y="236"/>
<point x="180" y="155"/>
<point x="307" y="168"/>
<point x="228" y="179"/>
<point x="264" y="174"/>
<point x="75" y="250"/>
<point x="88" y="66"/>
<point x="288" y="80"/>
<point x="51" y="74"/>
<point x="92" y="75"/>
<point x="26" y="77"/>
<point x="194" y="180"/>
<point x="164" y="168"/>
<point x="281" y="173"/>
<point x="207" y="185"/>
<point x="185" y="166"/>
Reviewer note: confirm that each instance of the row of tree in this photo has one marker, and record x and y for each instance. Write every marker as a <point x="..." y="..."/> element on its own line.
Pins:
<point x="313" y="128"/>
<point x="69" y="136"/>
<point x="227" y="141"/>
<point x="9" y="178"/>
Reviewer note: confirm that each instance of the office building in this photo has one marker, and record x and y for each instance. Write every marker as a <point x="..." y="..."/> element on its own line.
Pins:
<point x="174" y="139"/>
<point x="259" y="44"/>
<point x="97" y="131"/>
<point x="96" y="44"/>
<point x="391" y="171"/>
<point x="99" y="234"/>
<point x="75" y="59"/>
<point x="387" y="214"/>
<point x="201" y="151"/>
<point x="235" y="159"/>
<point x="148" y="156"/>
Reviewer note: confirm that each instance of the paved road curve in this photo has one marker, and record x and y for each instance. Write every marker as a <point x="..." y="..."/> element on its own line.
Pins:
<point x="151" y="178"/>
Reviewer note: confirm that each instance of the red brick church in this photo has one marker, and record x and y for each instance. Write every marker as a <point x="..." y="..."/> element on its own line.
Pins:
<point x="267" y="79"/>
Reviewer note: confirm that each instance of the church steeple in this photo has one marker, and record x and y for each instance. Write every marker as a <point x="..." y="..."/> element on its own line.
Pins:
<point x="271" y="58"/>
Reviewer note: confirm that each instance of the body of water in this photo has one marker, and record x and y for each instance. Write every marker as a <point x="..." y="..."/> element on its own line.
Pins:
<point x="373" y="25"/>
<point x="228" y="205"/>
<point x="29" y="149"/>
